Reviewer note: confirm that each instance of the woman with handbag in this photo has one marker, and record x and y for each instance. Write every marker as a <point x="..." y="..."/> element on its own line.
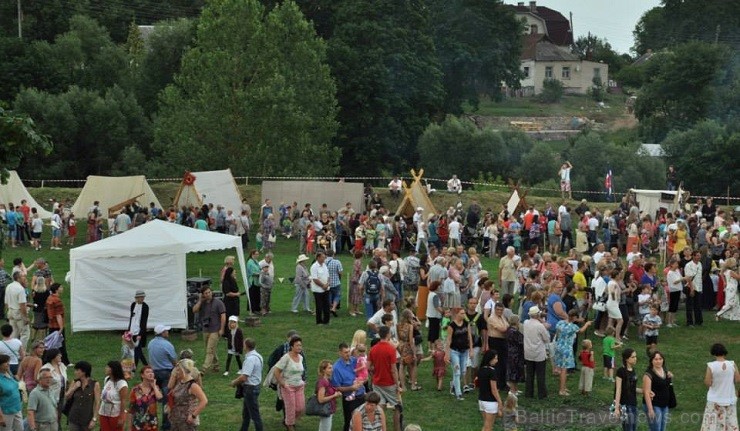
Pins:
<point x="289" y="376"/>
<point x="82" y="400"/>
<point x="657" y="381"/>
<point x="326" y="394"/>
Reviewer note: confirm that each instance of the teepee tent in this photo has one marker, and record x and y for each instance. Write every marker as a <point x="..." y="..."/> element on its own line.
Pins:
<point x="14" y="191"/>
<point x="111" y="191"/>
<point x="415" y="196"/>
<point x="210" y="187"/>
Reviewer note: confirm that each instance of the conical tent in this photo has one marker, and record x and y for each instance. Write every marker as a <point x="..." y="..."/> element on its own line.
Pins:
<point x="415" y="196"/>
<point x="210" y="187"/>
<point x="14" y="192"/>
<point x="111" y="191"/>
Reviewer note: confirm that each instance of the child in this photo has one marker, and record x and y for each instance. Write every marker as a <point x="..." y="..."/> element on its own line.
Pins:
<point x="662" y="250"/>
<point x="610" y="344"/>
<point x="511" y="415"/>
<point x="234" y="343"/>
<point x="359" y="238"/>
<point x="370" y="236"/>
<point x="127" y="354"/>
<point x="446" y="319"/>
<point x="643" y="302"/>
<point x="71" y="230"/>
<point x="440" y="367"/>
<point x="361" y="368"/>
<point x="651" y="323"/>
<point x="266" y="282"/>
<point x="258" y="240"/>
<point x="585" y="384"/>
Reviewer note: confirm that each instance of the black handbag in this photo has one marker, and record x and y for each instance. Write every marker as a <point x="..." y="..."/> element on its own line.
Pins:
<point x="672" y="403"/>
<point x="315" y="408"/>
<point x="239" y="393"/>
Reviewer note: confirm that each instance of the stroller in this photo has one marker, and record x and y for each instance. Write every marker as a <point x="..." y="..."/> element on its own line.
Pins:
<point x="471" y="237"/>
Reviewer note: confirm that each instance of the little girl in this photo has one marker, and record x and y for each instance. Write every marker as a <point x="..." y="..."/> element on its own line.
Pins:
<point x="361" y="369"/>
<point x="310" y="238"/>
<point x="127" y="354"/>
<point x="234" y="343"/>
<point x="511" y="416"/>
<point x="444" y="324"/>
<point x="440" y="367"/>
<point x="72" y="229"/>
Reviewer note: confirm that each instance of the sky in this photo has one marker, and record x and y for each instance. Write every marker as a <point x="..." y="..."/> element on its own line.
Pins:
<point x="613" y="20"/>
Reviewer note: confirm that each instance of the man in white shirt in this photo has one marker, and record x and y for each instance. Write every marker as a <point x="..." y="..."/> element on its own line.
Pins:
<point x="454" y="185"/>
<point x="15" y="307"/>
<point x="536" y="339"/>
<point x="599" y="253"/>
<point x="122" y="223"/>
<point x="395" y="187"/>
<point x="565" y="180"/>
<point x="374" y="323"/>
<point x="693" y="279"/>
<point x="454" y="232"/>
<point x="598" y="284"/>
<point x="320" y="288"/>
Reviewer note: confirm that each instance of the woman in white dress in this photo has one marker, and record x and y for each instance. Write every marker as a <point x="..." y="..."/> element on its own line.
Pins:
<point x="731" y="309"/>
<point x="612" y="303"/>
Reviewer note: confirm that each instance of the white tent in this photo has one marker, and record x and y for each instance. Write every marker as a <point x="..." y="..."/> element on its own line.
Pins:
<point x="215" y="187"/>
<point x="106" y="274"/>
<point x="650" y="201"/>
<point x="110" y="191"/>
<point x="14" y="191"/>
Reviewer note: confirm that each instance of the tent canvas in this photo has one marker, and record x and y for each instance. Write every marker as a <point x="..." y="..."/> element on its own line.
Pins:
<point x="650" y="201"/>
<point x="111" y="191"/>
<point x="14" y="191"/>
<point x="216" y="187"/>
<point x="106" y="274"/>
<point x="415" y="196"/>
<point x="334" y="194"/>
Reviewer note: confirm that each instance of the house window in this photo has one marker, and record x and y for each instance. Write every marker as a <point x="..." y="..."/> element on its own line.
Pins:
<point x="566" y="72"/>
<point x="548" y="72"/>
<point x="533" y="29"/>
<point x="597" y="72"/>
<point x="526" y="71"/>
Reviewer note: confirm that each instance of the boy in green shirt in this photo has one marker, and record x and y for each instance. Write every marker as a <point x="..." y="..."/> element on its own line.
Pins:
<point x="610" y="344"/>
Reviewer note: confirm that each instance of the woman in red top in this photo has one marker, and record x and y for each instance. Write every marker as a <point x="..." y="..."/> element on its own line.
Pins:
<point x="326" y="393"/>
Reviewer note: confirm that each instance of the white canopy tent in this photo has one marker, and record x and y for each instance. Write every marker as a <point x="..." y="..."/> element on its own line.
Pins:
<point x="215" y="187"/>
<point x="106" y="274"/>
<point x="14" y="191"/>
<point x="651" y="201"/>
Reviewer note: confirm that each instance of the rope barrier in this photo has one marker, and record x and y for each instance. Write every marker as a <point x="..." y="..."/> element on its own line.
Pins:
<point x="335" y="178"/>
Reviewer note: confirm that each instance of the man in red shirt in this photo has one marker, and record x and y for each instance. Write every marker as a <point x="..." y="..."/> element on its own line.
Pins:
<point x="55" y="313"/>
<point x="382" y="361"/>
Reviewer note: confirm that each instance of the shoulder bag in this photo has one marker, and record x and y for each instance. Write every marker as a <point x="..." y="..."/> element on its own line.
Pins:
<point x="315" y="408"/>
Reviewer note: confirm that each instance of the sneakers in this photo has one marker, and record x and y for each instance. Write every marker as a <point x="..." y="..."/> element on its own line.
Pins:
<point x="460" y="398"/>
<point x="467" y="388"/>
<point x="226" y="373"/>
<point x="599" y="334"/>
<point x="452" y="389"/>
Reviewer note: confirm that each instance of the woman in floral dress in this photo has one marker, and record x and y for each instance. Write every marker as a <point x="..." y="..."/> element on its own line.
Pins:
<point x="566" y="332"/>
<point x="143" y="402"/>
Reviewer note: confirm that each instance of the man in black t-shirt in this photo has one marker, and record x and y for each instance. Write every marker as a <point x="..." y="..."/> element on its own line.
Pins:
<point x="478" y="329"/>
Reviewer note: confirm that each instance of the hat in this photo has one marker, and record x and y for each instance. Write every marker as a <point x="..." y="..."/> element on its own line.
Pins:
<point x="301" y="258"/>
<point x="583" y="201"/>
<point x="420" y="209"/>
<point x="159" y="329"/>
<point x="264" y="265"/>
<point x="233" y="319"/>
<point x="534" y="310"/>
<point x="139" y="294"/>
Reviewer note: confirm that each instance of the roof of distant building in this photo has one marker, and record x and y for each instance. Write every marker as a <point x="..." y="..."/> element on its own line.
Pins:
<point x="539" y="47"/>
<point x="558" y="26"/>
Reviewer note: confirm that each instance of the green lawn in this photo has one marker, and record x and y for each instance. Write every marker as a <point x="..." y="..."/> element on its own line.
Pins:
<point x="686" y="351"/>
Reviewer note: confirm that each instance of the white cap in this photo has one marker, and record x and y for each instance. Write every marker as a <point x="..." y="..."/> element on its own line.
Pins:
<point x="159" y="329"/>
<point x="233" y="319"/>
<point x="419" y="209"/>
<point x="534" y="310"/>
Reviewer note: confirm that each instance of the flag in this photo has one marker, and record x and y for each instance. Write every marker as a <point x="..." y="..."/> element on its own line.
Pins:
<point x="608" y="185"/>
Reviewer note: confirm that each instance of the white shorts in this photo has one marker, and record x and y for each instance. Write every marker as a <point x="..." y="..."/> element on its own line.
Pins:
<point x="490" y="407"/>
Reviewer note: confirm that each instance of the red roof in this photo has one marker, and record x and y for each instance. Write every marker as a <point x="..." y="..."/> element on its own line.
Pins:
<point x="558" y="27"/>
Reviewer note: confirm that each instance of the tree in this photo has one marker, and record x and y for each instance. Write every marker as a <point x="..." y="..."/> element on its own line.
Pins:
<point x="254" y="94"/>
<point x="19" y="138"/>
<point x="552" y="91"/>
<point x="388" y="83"/>
<point x="679" y="88"/>
<point x="457" y="146"/>
<point x="594" y="48"/>
<point x="704" y="157"/>
<point x="478" y="43"/>
<point x="538" y="165"/>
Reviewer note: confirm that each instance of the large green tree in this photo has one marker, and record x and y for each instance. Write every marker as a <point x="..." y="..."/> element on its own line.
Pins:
<point x="478" y="43"/>
<point x="19" y="138"/>
<point x="679" y="87"/>
<point x="254" y="94"/>
<point x="594" y="48"/>
<point x="705" y="157"/>
<point x="389" y="82"/>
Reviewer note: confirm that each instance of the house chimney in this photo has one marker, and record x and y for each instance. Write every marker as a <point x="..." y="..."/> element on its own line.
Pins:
<point x="533" y="6"/>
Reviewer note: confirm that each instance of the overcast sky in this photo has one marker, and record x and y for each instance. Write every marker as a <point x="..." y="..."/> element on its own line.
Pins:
<point x="613" y="20"/>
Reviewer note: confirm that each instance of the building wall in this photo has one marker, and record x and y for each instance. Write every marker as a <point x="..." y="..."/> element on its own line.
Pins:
<point x="532" y="20"/>
<point x="580" y="76"/>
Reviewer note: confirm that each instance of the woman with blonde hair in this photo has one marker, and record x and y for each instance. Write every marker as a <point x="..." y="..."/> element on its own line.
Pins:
<point x="40" y="319"/>
<point x="359" y="337"/>
<point x="731" y="309"/>
<point x="188" y="396"/>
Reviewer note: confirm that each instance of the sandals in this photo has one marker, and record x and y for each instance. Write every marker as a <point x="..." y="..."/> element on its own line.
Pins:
<point x="415" y="387"/>
<point x="564" y="393"/>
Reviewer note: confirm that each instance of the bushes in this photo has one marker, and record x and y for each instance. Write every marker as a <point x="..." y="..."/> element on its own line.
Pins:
<point x="552" y="91"/>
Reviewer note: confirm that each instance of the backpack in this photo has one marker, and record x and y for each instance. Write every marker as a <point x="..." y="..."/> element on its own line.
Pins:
<point x="372" y="284"/>
<point x="411" y="278"/>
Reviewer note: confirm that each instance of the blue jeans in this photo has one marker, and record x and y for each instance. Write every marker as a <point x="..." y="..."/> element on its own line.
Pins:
<point x="458" y="360"/>
<point x="163" y="377"/>
<point x="629" y="423"/>
<point x="335" y="294"/>
<point x="372" y="305"/>
<point x="251" y="408"/>
<point x="661" y="418"/>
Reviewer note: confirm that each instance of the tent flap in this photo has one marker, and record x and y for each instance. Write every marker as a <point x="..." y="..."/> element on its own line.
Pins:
<point x="14" y="192"/>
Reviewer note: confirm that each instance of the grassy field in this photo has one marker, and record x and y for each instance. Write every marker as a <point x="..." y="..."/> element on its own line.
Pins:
<point x="686" y="350"/>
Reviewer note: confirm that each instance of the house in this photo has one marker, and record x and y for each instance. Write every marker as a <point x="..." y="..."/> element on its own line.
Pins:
<point x="546" y="53"/>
